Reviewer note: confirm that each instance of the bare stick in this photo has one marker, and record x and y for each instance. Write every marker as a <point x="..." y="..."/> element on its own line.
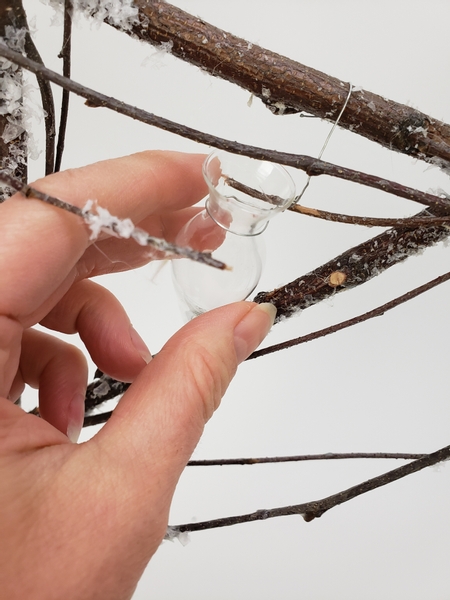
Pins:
<point x="65" y="54"/>
<point x="91" y="420"/>
<point x="368" y="221"/>
<point x="336" y="217"/>
<point x="316" y="508"/>
<point x="219" y="462"/>
<point x="376" y="312"/>
<point x="309" y="164"/>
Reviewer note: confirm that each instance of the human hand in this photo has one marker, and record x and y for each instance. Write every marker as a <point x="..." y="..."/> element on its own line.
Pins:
<point x="82" y="521"/>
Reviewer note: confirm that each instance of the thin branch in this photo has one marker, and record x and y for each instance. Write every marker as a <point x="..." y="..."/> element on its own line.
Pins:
<point x="220" y="462"/>
<point x="65" y="54"/>
<point x="316" y="508"/>
<point x="91" y="420"/>
<point x="287" y="86"/>
<point x="123" y="228"/>
<point x="368" y="221"/>
<point x="106" y="388"/>
<point x="309" y="164"/>
<point x="376" y="312"/>
<point x="336" y="217"/>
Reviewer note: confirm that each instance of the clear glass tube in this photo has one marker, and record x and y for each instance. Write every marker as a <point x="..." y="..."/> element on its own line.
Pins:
<point x="244" y="194"/>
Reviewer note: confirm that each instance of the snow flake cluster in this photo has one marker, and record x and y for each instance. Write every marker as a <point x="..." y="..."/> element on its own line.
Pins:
<point x="173" y="533"/>
<point x="16" y="106"/>
<point x="120" y="13"/>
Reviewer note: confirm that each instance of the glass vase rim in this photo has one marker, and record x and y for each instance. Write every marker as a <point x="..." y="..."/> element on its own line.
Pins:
<point x="271" y="208"/>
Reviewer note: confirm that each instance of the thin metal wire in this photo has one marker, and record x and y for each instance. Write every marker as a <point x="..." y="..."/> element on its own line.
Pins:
<point x="325" y="144"/>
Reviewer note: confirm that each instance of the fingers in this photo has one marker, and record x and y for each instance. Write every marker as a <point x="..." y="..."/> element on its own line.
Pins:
<point x="33" y="234"/>
<point x="152" y="182"/>
<point x="104" y="327"/>
<point x="59" y="370"/>
<point x="10" y="340"/>
<point x="159" y="420"/>
<point x="41" y="247"/>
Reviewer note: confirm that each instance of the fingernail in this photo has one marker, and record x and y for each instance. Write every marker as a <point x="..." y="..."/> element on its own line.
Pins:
<point x="75" y="418"/>
<point x="253" y="328"/>
<point x="140" y="345"/>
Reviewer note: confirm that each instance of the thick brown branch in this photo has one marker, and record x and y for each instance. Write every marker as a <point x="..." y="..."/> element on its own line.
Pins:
<point x="376" y="312"/>
<point x="354" y="267"/>
<point x="286" y="86"/>
<point x="13" y="152"/>
<point x="309" y="164"/>
<point x="316" y="508"/>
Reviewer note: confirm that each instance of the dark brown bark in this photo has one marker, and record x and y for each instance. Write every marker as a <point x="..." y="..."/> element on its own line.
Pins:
<point x="11" y="14"/>
<point x="354" y="267"/>
<point x="316" y="508"/>
<point x="287" y="86"/>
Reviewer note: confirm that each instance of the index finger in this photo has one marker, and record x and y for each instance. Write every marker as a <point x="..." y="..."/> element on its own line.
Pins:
<point x="40" y="245"/>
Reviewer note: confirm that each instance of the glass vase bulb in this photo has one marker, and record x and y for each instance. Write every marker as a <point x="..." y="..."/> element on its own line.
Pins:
<point x="244" y="194"/>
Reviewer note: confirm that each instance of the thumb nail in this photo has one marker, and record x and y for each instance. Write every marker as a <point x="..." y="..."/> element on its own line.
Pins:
<point x="252" y="329"/>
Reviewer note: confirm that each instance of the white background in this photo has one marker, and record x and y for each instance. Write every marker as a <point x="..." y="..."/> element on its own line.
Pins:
<point x="382" y="386"/>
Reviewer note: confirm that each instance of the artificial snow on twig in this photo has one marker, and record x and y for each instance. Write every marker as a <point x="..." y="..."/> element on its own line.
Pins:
<point x="17" y="106"/>
<point x="173" y="533"/>
<point x="121" y="13"/>
<point x="103" y="220"/>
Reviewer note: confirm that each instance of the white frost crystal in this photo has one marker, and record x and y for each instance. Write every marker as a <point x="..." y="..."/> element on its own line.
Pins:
<point x="105" y="221"/>
<point x="173" y="533"/>
<point x="121" y="13"/>
<point x="11" y="103"/>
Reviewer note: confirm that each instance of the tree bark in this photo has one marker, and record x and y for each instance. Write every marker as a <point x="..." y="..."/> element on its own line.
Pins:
<point x="287" y="86"/>
<point x="11" y="14"/>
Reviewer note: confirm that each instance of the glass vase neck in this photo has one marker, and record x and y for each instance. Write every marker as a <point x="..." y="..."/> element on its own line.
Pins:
<point x="244" y="193"/>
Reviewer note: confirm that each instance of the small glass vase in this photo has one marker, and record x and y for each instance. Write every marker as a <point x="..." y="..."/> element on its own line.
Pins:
<point x="244" y="194"/>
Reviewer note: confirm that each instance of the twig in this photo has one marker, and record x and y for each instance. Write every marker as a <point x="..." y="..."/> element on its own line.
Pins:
<point x="336" y="217"/>
<point x="104" y="221"/>
<point x="106" y="388"/>
<point x="219" y="462"/>
<point x="91" y="420"/>
<point x="316" y="508"/>
<point x="376" y="312"/>
<point x="309" y="164"/>
<point x="368" y="221"/>
<point x="65" y="54"/>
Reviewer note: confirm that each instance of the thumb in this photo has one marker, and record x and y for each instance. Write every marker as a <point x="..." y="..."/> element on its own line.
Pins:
<point x="160" y="419"/>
